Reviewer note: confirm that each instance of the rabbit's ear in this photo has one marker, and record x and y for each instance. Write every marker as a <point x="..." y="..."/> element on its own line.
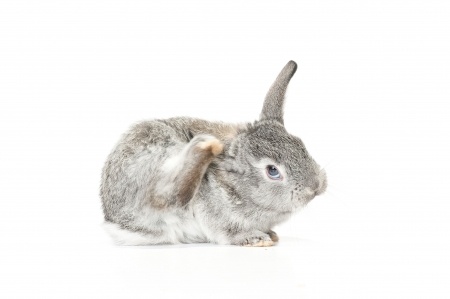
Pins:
<point x="273" y="104"/>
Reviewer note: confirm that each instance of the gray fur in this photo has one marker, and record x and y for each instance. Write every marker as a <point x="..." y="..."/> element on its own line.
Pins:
<point x="273" y="105"/>
<point x="184" y="180"/>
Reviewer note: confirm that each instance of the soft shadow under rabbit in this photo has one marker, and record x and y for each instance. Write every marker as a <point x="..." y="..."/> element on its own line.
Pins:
<point x="186" y="180"/>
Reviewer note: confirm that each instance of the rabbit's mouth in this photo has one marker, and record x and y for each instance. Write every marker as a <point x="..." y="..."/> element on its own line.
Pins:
<point x="318" y="186"/>
<point x="309" y="194"/>
<point x="305" y="195"/>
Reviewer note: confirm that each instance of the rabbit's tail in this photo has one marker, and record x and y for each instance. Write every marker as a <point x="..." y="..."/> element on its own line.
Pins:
<point x="122" y="236"/>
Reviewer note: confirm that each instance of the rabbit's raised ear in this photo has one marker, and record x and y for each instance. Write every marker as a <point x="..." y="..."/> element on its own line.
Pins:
<point x="273" y="104"/>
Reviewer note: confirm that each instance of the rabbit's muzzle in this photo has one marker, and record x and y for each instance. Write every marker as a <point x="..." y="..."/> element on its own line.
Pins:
<point x="308" y="190"/>
<point x="321" y="183"/>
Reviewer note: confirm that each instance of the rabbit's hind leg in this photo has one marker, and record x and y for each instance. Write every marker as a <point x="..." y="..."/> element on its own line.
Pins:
<point x="184" y="171"/>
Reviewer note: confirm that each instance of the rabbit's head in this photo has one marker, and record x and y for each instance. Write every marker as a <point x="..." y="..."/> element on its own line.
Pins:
<point x="268" y="165"/>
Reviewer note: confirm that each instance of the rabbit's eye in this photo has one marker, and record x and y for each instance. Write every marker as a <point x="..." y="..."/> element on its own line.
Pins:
<point x="273" y="172"/>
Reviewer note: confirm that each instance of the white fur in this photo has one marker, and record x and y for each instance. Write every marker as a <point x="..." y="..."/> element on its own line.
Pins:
<point x="179" y="231"/>
<point x="174" y="163"/>
<point x="175" y="230"/>
<point x="125" y="237"/>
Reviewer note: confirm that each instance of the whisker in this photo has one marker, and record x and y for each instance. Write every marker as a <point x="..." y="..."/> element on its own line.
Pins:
<point x="324" y="167"/>
<point x="339" y="197"/>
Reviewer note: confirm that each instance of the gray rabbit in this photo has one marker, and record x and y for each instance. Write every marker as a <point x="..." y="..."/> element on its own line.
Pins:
<point x="186" y="180"/>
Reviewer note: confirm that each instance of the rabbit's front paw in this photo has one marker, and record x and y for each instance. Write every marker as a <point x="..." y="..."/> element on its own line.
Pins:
<point x="211" y="144"/>
<point x="258" y="239"/>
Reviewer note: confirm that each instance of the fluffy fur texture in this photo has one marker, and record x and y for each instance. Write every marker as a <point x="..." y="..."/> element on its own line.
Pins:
<point x="185" y="180"/>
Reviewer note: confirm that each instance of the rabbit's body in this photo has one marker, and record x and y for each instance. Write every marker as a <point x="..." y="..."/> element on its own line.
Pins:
<point x="185" y="180"/>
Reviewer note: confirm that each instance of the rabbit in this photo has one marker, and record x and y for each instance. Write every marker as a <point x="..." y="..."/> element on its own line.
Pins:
<point x="188" y="180"/>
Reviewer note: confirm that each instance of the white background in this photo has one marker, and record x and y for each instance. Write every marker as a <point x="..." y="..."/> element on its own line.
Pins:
<point x="370" y="100"/>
